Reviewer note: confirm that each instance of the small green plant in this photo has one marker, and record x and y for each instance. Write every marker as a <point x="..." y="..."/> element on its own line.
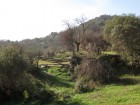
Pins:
<point x="26" y="95"/>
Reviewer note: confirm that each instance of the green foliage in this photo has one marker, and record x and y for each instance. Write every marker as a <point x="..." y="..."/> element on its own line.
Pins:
<point x="63" y="55"/>
<point x="12" y="67"/>
<point x="123" y="32"/>
<point x="118" y="65"/>
<point x="51" y="42"/>
<point x="26" y="94"/>
<point x="15" y="80"/>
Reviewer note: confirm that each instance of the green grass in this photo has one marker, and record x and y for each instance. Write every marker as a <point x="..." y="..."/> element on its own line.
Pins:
<point x="110" y="53"/>
<point x="54" y="62"/>
<point x="65" y="83"/>
<point x="124" y="92"/>
<point x="48" y="63"/>
<point x="62" y="85"/>
<point x="63" y="55"/>
<point x="113" y="94"/>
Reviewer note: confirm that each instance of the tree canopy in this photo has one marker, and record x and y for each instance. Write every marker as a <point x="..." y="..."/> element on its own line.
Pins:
<point x="123" y="32"/>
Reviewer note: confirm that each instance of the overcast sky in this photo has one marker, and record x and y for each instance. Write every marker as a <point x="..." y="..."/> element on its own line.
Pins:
<point x="22" y="19"/>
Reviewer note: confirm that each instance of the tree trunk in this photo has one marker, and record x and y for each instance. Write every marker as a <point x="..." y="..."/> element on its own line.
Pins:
<point x="77" y="47"/>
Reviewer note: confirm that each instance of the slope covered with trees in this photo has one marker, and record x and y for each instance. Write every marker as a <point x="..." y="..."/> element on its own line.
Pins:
<point x="55" y="42"/>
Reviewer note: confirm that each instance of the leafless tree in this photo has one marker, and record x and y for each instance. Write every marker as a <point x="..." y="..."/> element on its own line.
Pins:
<point x="81" y="30"/>
<point x="74" y="32"/>
<point x="67" y="40"/>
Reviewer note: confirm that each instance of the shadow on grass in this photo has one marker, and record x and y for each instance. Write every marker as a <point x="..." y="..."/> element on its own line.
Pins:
<point x="37" y="103"/>
<point x="126" y="81"/>
<point x="20" y="103"/>
<point x="73" y="103"/>
<point x="50" y="79"/>
<point x="68" y="102"/>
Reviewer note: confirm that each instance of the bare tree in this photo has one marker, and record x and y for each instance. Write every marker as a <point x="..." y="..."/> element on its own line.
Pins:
<point x="81" y="30"/>
<point x="82" y="22"/>
<point x="67" y="40"/>
<point x="68" y="37"/>
<point x="74" y="32"/>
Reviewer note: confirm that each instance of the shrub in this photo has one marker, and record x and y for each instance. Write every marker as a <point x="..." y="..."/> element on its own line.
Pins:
<point x="12" y="67"/>
<point x="44" y="96"/>
<point x="16" y="81"/>
<point x="74" y="61"/>
<point x="118" y="65"/>
<point x="93" y="72"/>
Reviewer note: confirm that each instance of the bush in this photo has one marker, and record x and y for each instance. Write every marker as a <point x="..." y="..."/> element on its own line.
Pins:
<point x="118" y="65"/>
<point x="15" y="90"/>
<point x="93" y="72"/>
<point x="44" y="96"/>
<point x="16" y="81"/>
<point x="74" y="61"/>
<point x="13" y="65"/>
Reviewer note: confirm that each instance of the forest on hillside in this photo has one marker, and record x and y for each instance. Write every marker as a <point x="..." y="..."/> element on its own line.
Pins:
<point x="83" y="61"/>
<point x="53" y="41"/>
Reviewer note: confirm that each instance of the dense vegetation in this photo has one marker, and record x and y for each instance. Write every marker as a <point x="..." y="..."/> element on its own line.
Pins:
<point x="91" y="62"/>
<point x="124" y="35"/>
<point x="17" y="81"/>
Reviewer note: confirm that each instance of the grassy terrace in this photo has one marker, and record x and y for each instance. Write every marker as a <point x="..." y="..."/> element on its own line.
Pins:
<point x="114" y="94"/>
<point x="124" y="92"/>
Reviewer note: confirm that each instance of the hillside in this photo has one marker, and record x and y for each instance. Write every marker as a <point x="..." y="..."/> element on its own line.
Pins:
<point x="53" y="40"/>
<point x="94" y="62"/>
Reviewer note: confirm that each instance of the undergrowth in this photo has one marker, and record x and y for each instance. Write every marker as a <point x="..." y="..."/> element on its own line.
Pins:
<point x="124" y="91"/>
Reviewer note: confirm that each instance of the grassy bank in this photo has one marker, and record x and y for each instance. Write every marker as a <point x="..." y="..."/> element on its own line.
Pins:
<point x="125" y="91"/>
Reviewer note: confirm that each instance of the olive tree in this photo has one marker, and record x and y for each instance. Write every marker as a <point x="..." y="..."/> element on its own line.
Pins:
<point x="74" y="32"/>
<point x="123" y="32"/>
